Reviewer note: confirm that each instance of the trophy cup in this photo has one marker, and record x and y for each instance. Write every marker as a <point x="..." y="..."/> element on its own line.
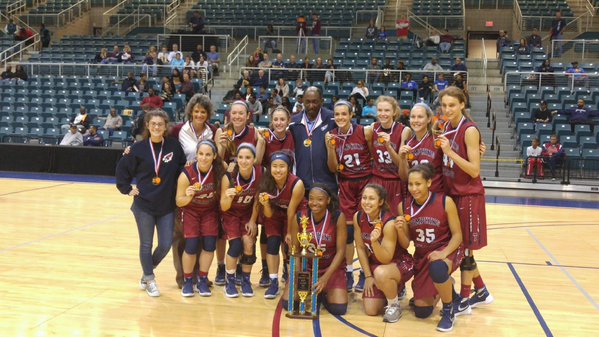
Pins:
<point x="301" y="278"/>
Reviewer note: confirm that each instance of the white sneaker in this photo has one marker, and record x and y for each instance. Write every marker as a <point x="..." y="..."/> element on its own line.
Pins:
<point x="143" y="284"/>
<point x="152" y="289"/>
<point x="392" y="313"/>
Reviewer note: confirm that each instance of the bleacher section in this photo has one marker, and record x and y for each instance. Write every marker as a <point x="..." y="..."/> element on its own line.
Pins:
<point x="543" y="12"/>
<point x="512" y="61"/>
<point x="437" y="7"/>
<point x="285" y="12"/>
<point x="155" y="8"/>
<point x="42" y="13"/>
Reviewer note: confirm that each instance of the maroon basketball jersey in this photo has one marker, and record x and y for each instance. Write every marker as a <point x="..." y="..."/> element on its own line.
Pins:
<point x="244" y="201"/>
<point x="281" y="199"/>
<point x="424" y="152"/>
<point x="206" y="199"/>
<point x="429" y="227"/>
<point x="324" y="234"/>
<point x="353" y="154"/>
<point x="248" y="135"/>
<point x="456" y="181"/>
<point x="285" y="145"/>
<point x="366" y="227"/>
<point x="383" y="164"/>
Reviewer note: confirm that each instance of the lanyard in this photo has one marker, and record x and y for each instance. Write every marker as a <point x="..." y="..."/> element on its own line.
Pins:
<point x="268" y="133"/>
<point x="315" y="124"/>
<point x="240" y="188"/>
<point x="156" y="160"/>
<point x="412" y="214"/>
<point x="202" y="180"/>
<point x="421" y="141"/>
<point x="200" y="137"/>
<point x="324" y="224"/>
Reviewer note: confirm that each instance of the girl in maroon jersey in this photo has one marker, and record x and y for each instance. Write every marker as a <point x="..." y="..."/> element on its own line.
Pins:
<point x="431" y="221"/>
<point x="349" y="156"/>
<point x="387" y="266"/>
<point x="461" y="172"/>
<point x="420" y="147"/>
<point x="329" y="234"/>
<point x="198" y="195"/>
<point x="281" y="192"/>
<point x="240" y="211"/>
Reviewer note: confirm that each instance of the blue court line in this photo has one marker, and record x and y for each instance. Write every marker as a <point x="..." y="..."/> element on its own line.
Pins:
<point x="555" y="262"/>
<point x="532" y="304"/>
<point x="35" y="189"/>
<point x="316" y="323"/>
<point x="58" y="177"/>
<point x="358" y="329"/>
<point x="546" y="264"/>
<point x="523" y="201"/>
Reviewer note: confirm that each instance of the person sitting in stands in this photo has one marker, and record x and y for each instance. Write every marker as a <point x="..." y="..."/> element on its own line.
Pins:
<point x="187" y="88"/>
<point x="371" y="31"/>
<point x="73" y="137"/>
<point x="370" y="110"/>
<point x="580" y="115"/>
<point x="177" y="63"/>
<point x="535" y="40"/>
<point x="81" y="121"/>
<point x="143" y="84"/>
<point x="213" y="60"/>
<point x="459" y="65"/>
<point x="163" y="57"/>
<point x="127" y="55"/>
<point x="554" y="154"/>
<point x="113" y="122"/>
<point x="360" y="91"/>
<point x="409" y="85"/>
<point x="102" y="57"/>
<point x="172" y="54"/>
<point x="195" y="56"/>
<point x="433" y="66"/>
<point x="578" y="75"/>
<point x="92" y="137"/>
<point x="542" y="114"/>
<point x="152" y="101"/>
<point x="534" y="160"/>
<point x="425" y="89"/>
<point x="261" y="80"/>
<point x="445" y="41"/>
<point x="115" y="56"/>
<point x="523" y="48"/>
<point x="130" y="83"/>
<point x="168" y="89"/>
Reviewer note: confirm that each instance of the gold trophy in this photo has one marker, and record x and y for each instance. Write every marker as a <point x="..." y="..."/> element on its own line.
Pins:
<point x="301" y="279"/>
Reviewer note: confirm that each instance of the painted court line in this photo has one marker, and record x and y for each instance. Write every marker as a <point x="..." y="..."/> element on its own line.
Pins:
<point x="353" y="326"/>
<point x="546" y="264"/>
<point x="316" y="323"/>
<point x="555" y="262"/>
<point x="531" y="302"/>
<point x="35" y="189"/>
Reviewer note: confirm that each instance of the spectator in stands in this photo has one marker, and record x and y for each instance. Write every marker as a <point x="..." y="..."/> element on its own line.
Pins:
<point x="535" y="40"/>
<point x="152" y="101"/>
<point x="139" y="126"/>
<point x="127" y="55"/>
<point x="266" y="62"/>
<point x="232" y="94"/>
<point x="20" y="75"/>
<point x="578" y="75"/>
<point x="459" y="65"/>
<point x="433" y="40"/>
<point x="306" y="73"/>
<point x="263" y="96"/>
<point x="24" y="34"/>
<point x="271" y="105"/>
<point x="360" y="91"/>
<point x="214" y="60"/>
<point x="299" y="88"/>
<point x="315" y="30"/>
<point x="374" y="75"/>
<point x="440" y="83"/>
<point x="81" y="120"/>
<point x="201" y="68"/>
<point x="187" y="88"/>
<point x="293" y="75"/>
<point x="401" y="65"/>
<point x="460" y="82"/>
<point x="258" y="55"/>
<point x="318" y="75"/>
<point x="425" y="89"/>
<point x="370" y="109"/>
<point x="409" y="85"/>
<point x="150" y="62"/>
<point x="196" y="22"/>
<point x="73" y="137"/>
<point x="174" y="52"/>
<point x="177" y="78"/>
<point x="143" y="85"/>
<point x="534" y="159"/>
<point x="177" y="63"/>
<point x="371" y="31"/>
<point x="523" y="48"/>
<point x="387" y="75"/>
<point x="403" y="28"/>
<point x="445" y="41"/>
<point x="251" y="62"/>
<point x="45" y="36"/>
<point x="356" y="108"/>
<point x="557" y="27"/>
<point x="255" y="106"/>
<point x="554" y="154"/>
<point x="278" y="63"/>
<point x="163" y="57"/>
<point x="260" y="80"/>
<point x="286" y="103"/>
<point x="189" y="67"/>
<point x="542" y="114"/>
<point x="195" y="56"/>
<point x="114" y="122"/>
<point x="102" y="56"/>
<point x="248" y="93"/>
<point x="581" y="115"/>
<point x="271" y="40"/>
<point x="130" y="83"/>
<point x="545" y="67"/>
<point x="282" y="87"/>
<point x="502" y="41"/>
<point x="329" y="75"/>
<point x="168" y="89"/>
<point x="115" y="56"/>
<point x="11" y="28"/>
<point x="298" y="107"/>
<point x="383" y="35"/>
<point x="433" y="65"/>
<point x="92" y="137"/>
<point x="245" y="80"/>
<point x="276" y="97"/>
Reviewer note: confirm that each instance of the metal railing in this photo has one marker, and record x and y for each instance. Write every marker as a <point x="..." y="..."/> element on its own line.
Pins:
<point x="423" y="24"/>
<point x="112" y="11"/>
<point x="61" y="18"/>
<point x="428" y="21"/>
<point x="580" y="48"/>
<point x="572" y="81"/>
<point x="254" y="31"/>
<point x="485" y="4"/>
<point x="15" y="7"/>
<point x="543" y="22"/>
<point x="224" y="41"/>
<point x="298" y="44"/>
<point x="580" y="168"/>
<point x="485" y="62"/>
<point x="240" y="48"/>
<point x="19" y="48"/>
<point x="121" y="27"/>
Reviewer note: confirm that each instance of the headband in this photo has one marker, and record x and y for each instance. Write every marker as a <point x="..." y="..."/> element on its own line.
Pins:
<point x="345" y="103"/>
<point x="321" y="189"/>
<point x="248" y="146"/>
<point x="280" y="156"/>
<point x="424" y="106"/>
<point x="239" y="102"/>
<point x="209" y="143"/>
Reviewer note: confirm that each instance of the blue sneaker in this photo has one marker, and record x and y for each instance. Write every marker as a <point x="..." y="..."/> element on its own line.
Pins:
<point x="230" y="288"/>
<point x="273" y="289"/>
<point x="203" y="288"/>
<point x="447" y="318"/>
<point x="349" y="275"/>
<point x="481" y="297"/>
<point x="461" y="306"/>
<point x="264" y="279"/>
<point x="238" y="275"/>
<point x="360" y="285"/>
<point x="219" y="280"/>
<point x="246" y="286"/>
<point x="187" y="290"/>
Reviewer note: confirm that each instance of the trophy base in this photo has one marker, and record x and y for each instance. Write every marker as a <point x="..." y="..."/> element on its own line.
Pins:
<point x="297" y="315"/>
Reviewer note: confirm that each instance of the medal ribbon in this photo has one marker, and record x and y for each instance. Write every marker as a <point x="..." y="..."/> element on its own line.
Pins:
<point x="156" y="160"/>
<point x="454" y="131"/>
<point x="344" y="138"/>
<point x="248" y="185"/>
<point x="421" y="141"/>
<point x="273" y="135"/>
<point x="316" y="123"/>
<point x="412" y="214"/>
<point x="324" y="224"/>
<point x="381" y="126"/>
<point x="202" y="180"/>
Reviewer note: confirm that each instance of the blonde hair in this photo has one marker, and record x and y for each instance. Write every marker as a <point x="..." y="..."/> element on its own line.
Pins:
<point x="393" y="102"/>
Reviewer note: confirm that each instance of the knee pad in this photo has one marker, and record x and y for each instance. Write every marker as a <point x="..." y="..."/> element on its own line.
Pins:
<point x="336" y="309"/>
<point x="468" y="264"/>
<point x="191" y="245"/>
<point x="263" y="238"/>
<point x="248" y="259"/>
<point x="350" y="234"/>
<point x="423" y="312"/>
<point x="272" y="245"/>
<point x="439" y="271"/>
<point x="235" y="248"/>
<point x="209" y="243"/>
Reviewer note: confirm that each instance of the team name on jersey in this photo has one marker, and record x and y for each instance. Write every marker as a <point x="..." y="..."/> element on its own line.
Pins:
<point x="425" y="220"/>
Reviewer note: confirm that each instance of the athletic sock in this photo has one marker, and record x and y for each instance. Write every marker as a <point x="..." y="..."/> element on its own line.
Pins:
<point x="203" y="274"/>
<point x="465" y="291"/>
<point x="349" y="268"/>
<point x="478" y="282"/>
<point x="391" y="301"/>
<point x="187" y="276"/>
<point x="273" y="276"/>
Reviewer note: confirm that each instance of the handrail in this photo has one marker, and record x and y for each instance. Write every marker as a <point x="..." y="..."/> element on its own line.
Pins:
<point x="15" y="7"/>
<point x="574" y="80"/>
<point x="306" y="38"/>
<point x="160" y="38"/>
<point x="518" y="12"/>
<point x="485" y="61"/>
<point x="431" y="29"/>
<point x="19" y="48"/>
<point x="83" y="5"/>
<point x="138" y="18"/>
<point x="234" y="55"/>
<point x="584" y="43"/>
<point x="546" y="37"/>
<point x="253" y="31"/>
<point x="497" y="156"/>
<point x="34" y="68"/>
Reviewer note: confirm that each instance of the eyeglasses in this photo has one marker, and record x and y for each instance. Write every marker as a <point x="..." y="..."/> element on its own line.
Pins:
<point x="153" y="124"/>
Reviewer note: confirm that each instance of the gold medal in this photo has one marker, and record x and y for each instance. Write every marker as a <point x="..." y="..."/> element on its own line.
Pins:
<point x="264" y="197"/>
<point x="156" y="181"/>
<point x="340" y="167"/>
<point x="308" y="142"/>
<point x="381" y="140"/>
<point x="379" y="225"/>
<point x="438" y="143"/>
<point x="266" y="134"/>
<point x="230" y="134"/>
<point x="238" y="189"/>
<point x="407" y="217"/>
<point x="411" y="156"/>
<point x="333" y="141"/>
<point x="197" y="186"/>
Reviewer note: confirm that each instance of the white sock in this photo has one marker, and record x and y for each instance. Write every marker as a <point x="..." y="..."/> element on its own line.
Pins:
<point x="231" y="271"/>
<point x="349" y="268"/>
<point x="392" y="301"/>
<point x="273" y="276"/>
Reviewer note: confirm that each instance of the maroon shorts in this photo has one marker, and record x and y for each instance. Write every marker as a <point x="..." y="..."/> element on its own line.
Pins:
<point x="337" y="280"/>
<point x="405" y="266"/>
<point x="350" y="193"/>
<point x="473" y="217"/>
<point x="234" y="226"/>
<point x="422" y="285"/>
<point x="276" y="225"/>
<point x="199" y="224"/>
<point x="394" y="189"/>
